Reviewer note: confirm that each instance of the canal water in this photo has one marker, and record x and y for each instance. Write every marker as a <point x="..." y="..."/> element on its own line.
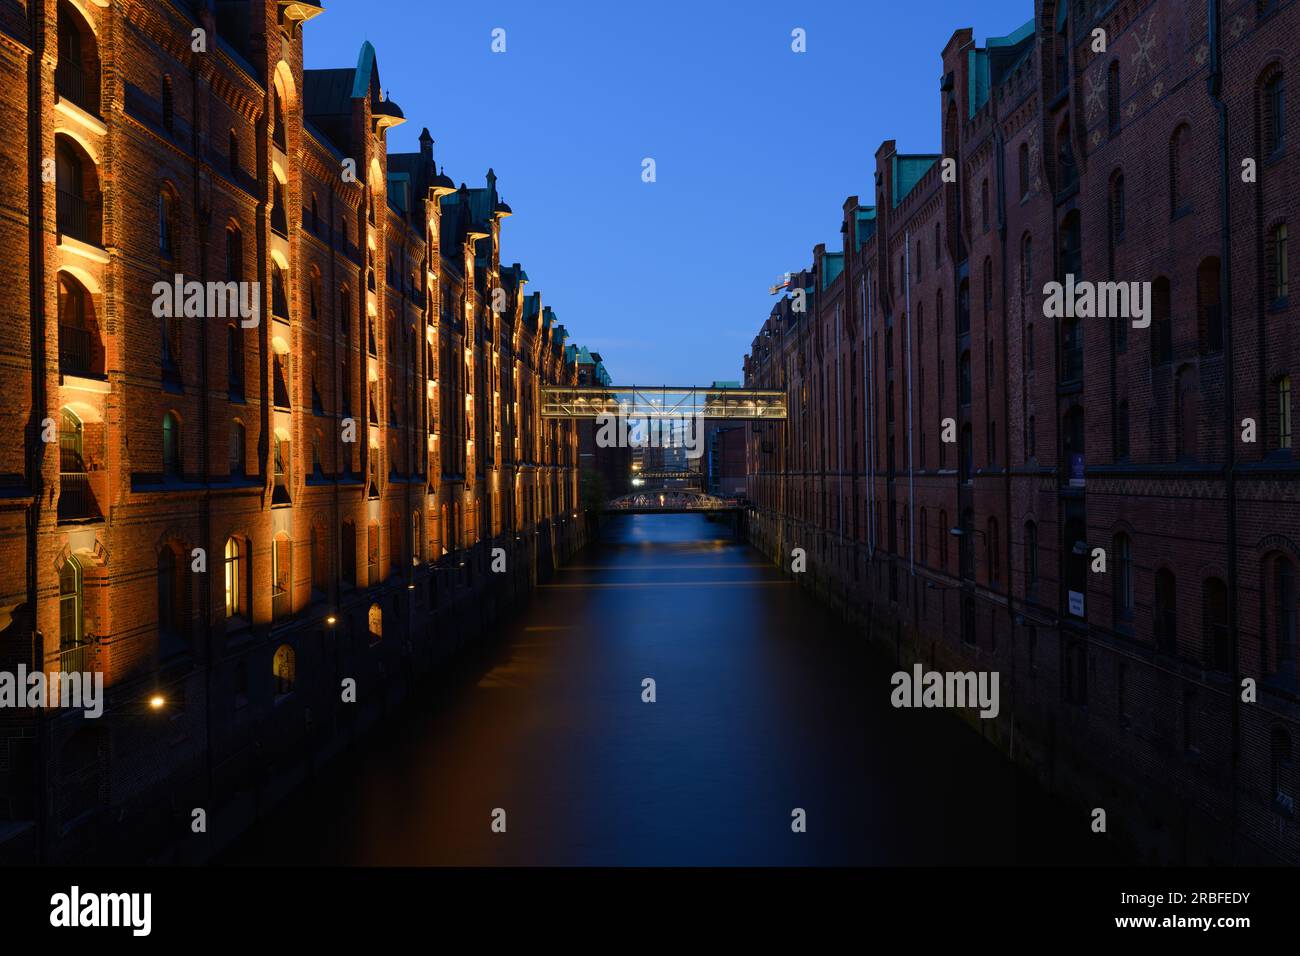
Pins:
<point x="764" y="703"/>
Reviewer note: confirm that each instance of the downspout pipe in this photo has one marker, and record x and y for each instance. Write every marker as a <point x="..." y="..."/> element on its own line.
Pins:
<point x="1214" y="86"/>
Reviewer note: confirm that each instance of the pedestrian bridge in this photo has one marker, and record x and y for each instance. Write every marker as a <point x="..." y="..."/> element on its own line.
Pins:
<point x="671" y="502"/>
<point x="636" y="401"/>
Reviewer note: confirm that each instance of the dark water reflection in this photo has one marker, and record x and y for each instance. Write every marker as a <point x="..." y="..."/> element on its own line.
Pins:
<point x="765" y="703"/>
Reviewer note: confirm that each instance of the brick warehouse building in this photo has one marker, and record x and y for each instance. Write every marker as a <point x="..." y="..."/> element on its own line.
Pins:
<point x="228" y="521"/>
<point x="1121" y="689"/>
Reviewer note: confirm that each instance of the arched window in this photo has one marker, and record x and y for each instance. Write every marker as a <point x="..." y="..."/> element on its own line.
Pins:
<point x="77" y="192"/>
<point x="76" y="78"/>
<point x="235" y="361"/>
<point x="71" y="614"/>
<point x="1214" y="624"/>
<point x="1272" y="113"/>
<point x="278" y="130"/>
<point x="234" y="569"/>
<point x="1067" y="172"/>
<point x="279" y="213"/>
<point x="320" y="561"/>
<point x="171" y="445"/>
<point x="1071" y="251"/>
<point x="80" y="350"/>
<point x="166" y="225"/>
<point x="1164" y="613"/>
<point x="375" y="621"/>
<point x="284" y="668"/>
<point x="279" y="292"/>
<point x="234" y="254"/>
<point x="1282" y="412"/>
<point x="173" y="610"/>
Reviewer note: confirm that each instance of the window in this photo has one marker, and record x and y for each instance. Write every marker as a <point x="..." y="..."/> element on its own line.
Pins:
<point x="1284" y="603"/>
<point x="375" y="622"/>
<point x="1179" y="166"/>
<point x="320" y="560"/>
<point x="172" y="613"/>
<point x="235" y="362"/>
<point x="238" y="444"/>
<point x="166" y="225"/>
<point x="1283" y="412"/>
<point x="1113" y="98"/>
<point x="1071" y="350"/>
<point x="71" y="622"/>
<point x="1123" y="577"/>
<point x="1164" y="612"/>
<point x="234" y="578"/>
<point x="283" y="667"/>
<point x="171" y="445"/>
<point x="1278" y="278"/>
<point x="1214" y="626"/>
<point x="925" y="537"/>
<point x="1273" y="115"/>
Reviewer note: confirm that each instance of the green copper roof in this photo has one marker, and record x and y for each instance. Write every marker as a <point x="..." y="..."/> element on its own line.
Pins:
<point x="908" y="171"/>
<point x="982" y="76"/>
<point x="834" y="265"/>
<point x="865" y="224"/>
<point x="365" y="65"/>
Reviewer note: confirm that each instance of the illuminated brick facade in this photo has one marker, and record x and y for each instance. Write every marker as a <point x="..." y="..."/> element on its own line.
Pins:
<point x="201" y="528"/>
<point x="1122" y="688"/>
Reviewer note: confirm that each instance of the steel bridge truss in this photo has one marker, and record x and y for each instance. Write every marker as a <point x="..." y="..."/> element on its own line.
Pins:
<point x="634" y="401"/>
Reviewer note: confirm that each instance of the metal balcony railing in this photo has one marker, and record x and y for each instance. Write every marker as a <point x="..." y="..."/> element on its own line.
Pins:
<point x="78" y="217"/>
<point x="78" y="85"/>
<point x="75" y="350"/>
<point x="76" y="498"/>
<point x="74" y="657"/>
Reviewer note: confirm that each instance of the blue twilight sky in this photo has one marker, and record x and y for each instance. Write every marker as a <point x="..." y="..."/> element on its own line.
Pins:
<point x="756" y="147"/>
